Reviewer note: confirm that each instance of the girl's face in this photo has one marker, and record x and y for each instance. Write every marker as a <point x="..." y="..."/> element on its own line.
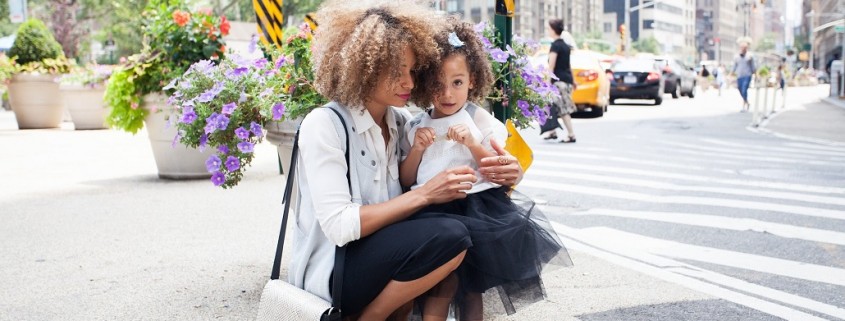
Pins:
<point x="454" y="75"/>
<point x="396" y="92"/>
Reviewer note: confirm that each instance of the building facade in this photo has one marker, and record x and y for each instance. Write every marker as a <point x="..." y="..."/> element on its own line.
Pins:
<point x="719" y="24"/>
<point x="825" y="44"/>
<point x="672" y="23"/>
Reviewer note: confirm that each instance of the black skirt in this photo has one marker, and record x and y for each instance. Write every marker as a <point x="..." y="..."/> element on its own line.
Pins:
<point x="513" y="242"/>
<point x="403" y="251"/>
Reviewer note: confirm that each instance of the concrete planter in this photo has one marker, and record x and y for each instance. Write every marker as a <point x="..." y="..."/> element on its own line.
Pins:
<point x="36" y="101"/>
<point x="282" y="134"/>
<point x="174" y="161"/>
<point x="86" y="107"/>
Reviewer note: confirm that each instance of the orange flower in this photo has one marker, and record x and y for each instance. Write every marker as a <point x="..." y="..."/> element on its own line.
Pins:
<point x="224" y="26"/>
<point x="223" y="48"/>
<point x="181" y="17"/>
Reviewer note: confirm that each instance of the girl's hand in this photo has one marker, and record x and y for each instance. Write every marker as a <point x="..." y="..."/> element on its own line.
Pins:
<point x="461" y="134"/>
<point x="503" y="169"/>
<point x="423" y="138"/>
<point x="449" y="185"/>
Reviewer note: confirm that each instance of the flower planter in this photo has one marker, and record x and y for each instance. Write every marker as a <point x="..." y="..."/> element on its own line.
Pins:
<point x="174" y="160"/>
<point x="86" y="107"/>
<point x="36" y="101"/>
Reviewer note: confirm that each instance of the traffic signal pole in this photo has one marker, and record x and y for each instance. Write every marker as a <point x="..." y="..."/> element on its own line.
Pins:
<point x="504" y="32"/>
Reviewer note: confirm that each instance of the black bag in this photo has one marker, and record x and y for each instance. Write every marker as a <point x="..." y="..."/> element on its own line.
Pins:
<point x="551" y="123"/>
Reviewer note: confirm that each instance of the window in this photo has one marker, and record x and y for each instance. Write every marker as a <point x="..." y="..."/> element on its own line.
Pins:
<point x="608" y="27"/>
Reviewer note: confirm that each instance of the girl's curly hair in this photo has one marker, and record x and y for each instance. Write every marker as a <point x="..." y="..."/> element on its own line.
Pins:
<point x="480" y="72"/>
<point x="358" y="42"/>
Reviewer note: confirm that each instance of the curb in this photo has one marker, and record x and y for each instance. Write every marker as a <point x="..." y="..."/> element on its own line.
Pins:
<point x="761" y="128"/>
<point x="834" y="101"/>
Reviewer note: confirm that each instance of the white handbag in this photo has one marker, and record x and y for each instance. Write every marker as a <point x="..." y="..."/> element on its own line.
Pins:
<point x="282" y="301"/>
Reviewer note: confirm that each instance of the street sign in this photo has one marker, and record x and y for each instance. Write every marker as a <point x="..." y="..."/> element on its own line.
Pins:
<point x="839" y="29"/>
<point x="17" y="11"/>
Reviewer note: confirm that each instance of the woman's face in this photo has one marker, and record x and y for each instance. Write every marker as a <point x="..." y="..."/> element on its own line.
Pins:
<point x="551" y="32"/>
<point x="396" y="92"/>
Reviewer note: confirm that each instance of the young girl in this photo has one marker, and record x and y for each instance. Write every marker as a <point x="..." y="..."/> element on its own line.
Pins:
<point x="510" y="243"/>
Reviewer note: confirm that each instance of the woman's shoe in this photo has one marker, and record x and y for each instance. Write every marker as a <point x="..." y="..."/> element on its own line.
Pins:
<point x="550" y="136"/>
<point x="571" y="139"/>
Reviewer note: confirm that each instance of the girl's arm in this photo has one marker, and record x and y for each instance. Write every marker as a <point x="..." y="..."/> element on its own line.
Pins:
<point x="408" y="168"/>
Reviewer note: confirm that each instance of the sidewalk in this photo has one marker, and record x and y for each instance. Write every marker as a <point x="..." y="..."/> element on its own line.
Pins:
<point x="91" y="233"/>
<point x="819" y="121"/>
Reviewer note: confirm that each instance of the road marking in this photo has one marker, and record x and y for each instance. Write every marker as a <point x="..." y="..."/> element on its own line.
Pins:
<point x="675" y="187"/>
<point x="622" y="159"/>
<point x="745" y="152"/>
<point x="693" y="200"/>
<point x="767" y="148"/>
<point x="746" y="158"/>
<point x="817" y="147"/>
<point x="697" y="178"/>
<point x="657" y="267"/>
<point x="719" y="222"/>
<point x="746" y="261"/>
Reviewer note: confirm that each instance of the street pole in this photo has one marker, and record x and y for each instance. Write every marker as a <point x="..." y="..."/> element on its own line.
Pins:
<point x="626" y="41"/>
<point x="504" y="32"/>
<point x="842" y="52"/>
<point x="812" y="36"/>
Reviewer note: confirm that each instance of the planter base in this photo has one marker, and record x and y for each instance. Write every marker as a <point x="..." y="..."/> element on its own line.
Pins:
<point x="174" y="161"/>
<point x="36" y="101"/>
<point x="86" y="107"/>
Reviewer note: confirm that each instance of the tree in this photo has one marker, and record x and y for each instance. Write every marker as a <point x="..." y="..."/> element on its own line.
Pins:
<point x="298" y="8"/>
<point x="649" y="44"/>
<point x="593" y="40"/>
<point x="766" y="43"/>
<point x="65" y="26"/>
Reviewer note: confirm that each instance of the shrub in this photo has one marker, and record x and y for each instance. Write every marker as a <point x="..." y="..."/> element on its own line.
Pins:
<point x="34" y="43"/>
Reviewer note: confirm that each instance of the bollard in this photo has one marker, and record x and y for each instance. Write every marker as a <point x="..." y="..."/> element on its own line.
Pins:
<point x="783" y="98"/>
<point x="764" y="114"/>
<point x="774" y="98"/>
<point x="755" y="121"/>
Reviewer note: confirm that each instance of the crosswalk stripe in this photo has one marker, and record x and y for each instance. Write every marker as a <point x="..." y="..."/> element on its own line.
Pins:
<point x="692" y="200"/>
<point x="745" y="152"/>
<point x="638" y="161"/>
<point x="719" y="222"/>
<point x="767" y="148"/>
<point x="763" y="159"/>
<point x="657" y="267"/>
<point x="816" y="146"/>
<point x="746" y="261"/>
<point x="675" y="187"/>
<point x="708" y="179"/>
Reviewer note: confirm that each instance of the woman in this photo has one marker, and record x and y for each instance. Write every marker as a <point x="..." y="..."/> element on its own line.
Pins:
<point x="559" y="64"/>
<point x="364" y="62"/>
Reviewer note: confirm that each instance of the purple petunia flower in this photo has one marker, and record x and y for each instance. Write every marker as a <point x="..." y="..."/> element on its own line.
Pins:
<point x="229" y="108"/>
<point x="176" y="139"/>
<point x="260" y="63"/>
<point x="253" y="44"/>
<point x="265" y="92"/>
<point x="203" y="142"/>
<point x="523" y="105"/>
<point x="188" y="116"/>
<point x="499" y="55"/>
<point x="204" y="66"/>
<point x="281" y="61"/>
<point x="242" y="98"/>
<point x="221" y="122"/>
<point x="171" y="84"/>
<point x="185" y="84"/>
<point x="242" y="133"/>
<point x="211" y="123"/>
<point x="246" y="147"/>
<point x="510" y="50"/>
<point x="486" y="42"/>
<point x="237" y="72"/>
<point x="206" y="96"/>
<point x="232" y="163"/>
<point x="256" y="129"/>
<point x="479" y="27"/>
<point x="218" y="178"/>
<point x="223" y="149"/>
<point x="212" y="164"/>
<point x="278" y="111"/>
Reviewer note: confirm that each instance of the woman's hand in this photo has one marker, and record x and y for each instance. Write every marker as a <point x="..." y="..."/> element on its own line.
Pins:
<point x="449" y="185"/>
<point x="503" y="169"/>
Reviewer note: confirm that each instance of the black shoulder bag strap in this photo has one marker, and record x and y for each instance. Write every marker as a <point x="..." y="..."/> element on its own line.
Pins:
<point x="340" y="252"/>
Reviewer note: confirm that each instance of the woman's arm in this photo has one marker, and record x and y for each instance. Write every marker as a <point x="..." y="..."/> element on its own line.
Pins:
<point x="552" y="61"/>
<point x="324" y="166"/>
<point x="502" y="169"/>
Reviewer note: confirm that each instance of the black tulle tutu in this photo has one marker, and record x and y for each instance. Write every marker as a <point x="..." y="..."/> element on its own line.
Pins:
<point x="513" y="242"/>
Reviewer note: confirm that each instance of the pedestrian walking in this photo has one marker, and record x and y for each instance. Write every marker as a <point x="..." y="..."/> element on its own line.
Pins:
<point x="719" y="73"/>
<point x="744" y="68"/>
<point x="559" y="63"/>
<point x="704" y="78"/>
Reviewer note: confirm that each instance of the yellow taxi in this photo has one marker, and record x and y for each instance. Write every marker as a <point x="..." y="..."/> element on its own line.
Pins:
<point x="589" y="70"/>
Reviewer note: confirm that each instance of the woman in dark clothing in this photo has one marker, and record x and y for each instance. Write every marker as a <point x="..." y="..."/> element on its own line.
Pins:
<point x="559" y="64"/>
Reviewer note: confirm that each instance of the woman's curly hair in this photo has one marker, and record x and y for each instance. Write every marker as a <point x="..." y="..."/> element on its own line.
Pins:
<point x="358" y="42"/>
<point x="480" y="72"/>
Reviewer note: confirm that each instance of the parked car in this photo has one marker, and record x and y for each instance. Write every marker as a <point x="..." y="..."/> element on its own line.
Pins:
<point x="679" y="80"/>
<point x="593" y="92"/>
<point x="636" y="78"/>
